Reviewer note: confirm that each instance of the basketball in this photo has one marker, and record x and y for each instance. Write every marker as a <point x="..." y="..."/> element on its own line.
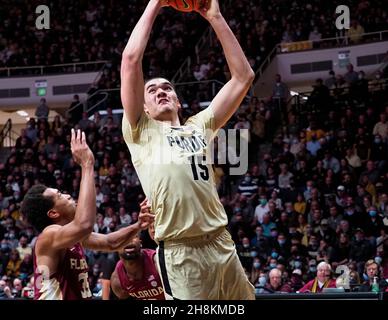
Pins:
<point x="188" y="5"/>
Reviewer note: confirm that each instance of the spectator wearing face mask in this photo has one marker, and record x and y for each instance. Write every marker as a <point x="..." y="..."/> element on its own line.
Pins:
<point x="247" y="187"/>
<point x="261" y="209"/>
<point x="322" y="280"/>
<point x="244" y="253"/>
<point x="312" y="270"/>
<point x="282" y="246"/>
<point x="255" y="270"/>
<point x="373" y="224"/>
<point x="260" y="285"/>
<point x="378" y="149"/>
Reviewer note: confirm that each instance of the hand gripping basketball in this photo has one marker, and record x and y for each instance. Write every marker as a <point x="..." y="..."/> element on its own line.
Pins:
<point x="188" y="5"/>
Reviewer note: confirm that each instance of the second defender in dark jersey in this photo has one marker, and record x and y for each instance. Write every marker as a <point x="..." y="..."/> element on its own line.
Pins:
<point x="135" y="275"/>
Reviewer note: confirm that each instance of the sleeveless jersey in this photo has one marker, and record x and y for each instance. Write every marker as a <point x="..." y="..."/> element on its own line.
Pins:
<point x="149" y="287"/>
<point x="69" y="282"/>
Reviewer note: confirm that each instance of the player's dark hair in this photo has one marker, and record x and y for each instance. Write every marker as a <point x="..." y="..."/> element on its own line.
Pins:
<point x="35" y="207"/>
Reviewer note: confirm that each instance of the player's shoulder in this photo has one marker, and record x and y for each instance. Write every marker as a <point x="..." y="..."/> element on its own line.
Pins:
<point x="45" y="238"/>
<point x="49" y="232"/>
<point x="149" y="252"/>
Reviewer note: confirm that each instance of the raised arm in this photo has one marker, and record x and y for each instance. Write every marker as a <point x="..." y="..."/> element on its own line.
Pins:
<point x="231" y="95"/>
<point x="59" y="237"/>
<point x="132" y="82"/>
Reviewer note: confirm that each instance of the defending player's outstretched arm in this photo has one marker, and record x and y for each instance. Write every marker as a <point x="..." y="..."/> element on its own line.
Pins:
<point x="116" y="240"/>
<point x="132" y="82"/>
<point x="60" y="237"/>
<point x="231" y="95"/>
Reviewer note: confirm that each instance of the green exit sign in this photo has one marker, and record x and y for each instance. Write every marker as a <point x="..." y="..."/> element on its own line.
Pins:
<point x="41" y="92"/>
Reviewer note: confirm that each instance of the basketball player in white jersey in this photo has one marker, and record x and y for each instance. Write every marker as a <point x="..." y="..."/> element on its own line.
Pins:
<point x="196" y="255"/>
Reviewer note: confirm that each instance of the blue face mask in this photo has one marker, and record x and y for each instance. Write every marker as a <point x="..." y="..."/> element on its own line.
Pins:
<point x="262" y="281"/>
<point x="263" y="202"/>
<point x="378" y="260"/>
<point x="256" y="265"/>
<point x="282" y="242"/>
<point x="247" y="179"/>
<point x="297" y="264"/>
<point x="313" y="269"/>
<point x="272" y="266"/>
<point x="253" y="254"/>
<point x="372" y="213"/>
<point x="274" y="255"/>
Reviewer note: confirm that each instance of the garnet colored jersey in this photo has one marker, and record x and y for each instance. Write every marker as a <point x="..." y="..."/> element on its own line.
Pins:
<point x="149" y="287"/>
<point x="69" y="282"/>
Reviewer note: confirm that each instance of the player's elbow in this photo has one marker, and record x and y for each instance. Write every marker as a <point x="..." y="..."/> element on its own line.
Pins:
<point x="246" y="77"/>
<point x="130" y="59"/>
<point x="249" y="77"/>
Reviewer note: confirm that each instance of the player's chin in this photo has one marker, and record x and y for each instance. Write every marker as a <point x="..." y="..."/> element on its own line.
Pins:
<point x="130" y="256"/>
<point x="166" y="107"/>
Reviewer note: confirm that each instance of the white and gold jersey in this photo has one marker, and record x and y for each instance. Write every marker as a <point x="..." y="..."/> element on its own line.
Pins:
<point x="170" y="163"/>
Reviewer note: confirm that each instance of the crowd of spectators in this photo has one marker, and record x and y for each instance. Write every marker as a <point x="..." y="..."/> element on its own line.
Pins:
<point x="84" y="31"/>
<point x="260" y="25"/>
<point x="319" y="194"/>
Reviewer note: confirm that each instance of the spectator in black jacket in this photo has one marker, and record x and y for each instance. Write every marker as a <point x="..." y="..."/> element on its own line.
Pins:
<point x="372" y="271"/>
<point x="361" y="249"/>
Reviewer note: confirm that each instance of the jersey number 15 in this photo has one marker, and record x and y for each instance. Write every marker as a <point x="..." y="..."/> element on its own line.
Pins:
<point x="200" y="170"/>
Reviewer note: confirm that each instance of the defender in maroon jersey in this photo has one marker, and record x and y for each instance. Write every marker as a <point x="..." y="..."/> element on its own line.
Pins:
<point x="60" y="265"/>
<point x="135" y="275"/>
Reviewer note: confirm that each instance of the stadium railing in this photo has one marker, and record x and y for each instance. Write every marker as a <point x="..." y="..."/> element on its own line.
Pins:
<point x="78" y="67"/>
<point x="339" y="41"/>
<point x="104" y="98"/>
